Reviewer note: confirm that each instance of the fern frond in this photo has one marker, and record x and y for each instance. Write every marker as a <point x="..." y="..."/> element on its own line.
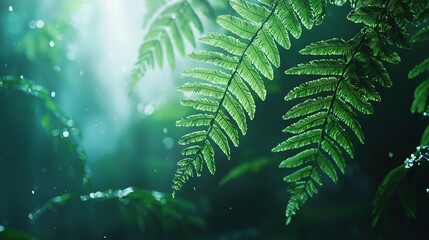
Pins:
<point x="421" y="94"/>
<point x="171" y="27"/>
<point x="245" y="58"/>
<point x="327" y="118"/>
<point x="68" y="129"/>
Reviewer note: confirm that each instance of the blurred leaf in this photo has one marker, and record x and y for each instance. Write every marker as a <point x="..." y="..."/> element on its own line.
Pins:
<point x="140" y="205"/>
<point x="47" y="42"/>
<point x="245" y="168"/>
<point x="11" y="234"/>
<point x="68" y="131"/>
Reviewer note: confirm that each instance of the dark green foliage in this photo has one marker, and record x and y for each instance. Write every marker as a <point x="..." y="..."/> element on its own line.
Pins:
<point x="327" y="116"/>
<point x="394" y="182"/>
<point x="142" y="205"/>
<point x="391" y="185"/>
<point x="243" y="59"/>
<point x="253" y="166"/>
<point x="67" y="130"/>
<point x="170" y="30"/>
<point x="12" y="234"/>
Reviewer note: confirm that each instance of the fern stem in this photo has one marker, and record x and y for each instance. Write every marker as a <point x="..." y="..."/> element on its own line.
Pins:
<point x="240" y="61"/>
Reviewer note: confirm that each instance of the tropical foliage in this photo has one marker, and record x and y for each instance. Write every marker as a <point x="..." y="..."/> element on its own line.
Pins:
<point x="324" y="123"/>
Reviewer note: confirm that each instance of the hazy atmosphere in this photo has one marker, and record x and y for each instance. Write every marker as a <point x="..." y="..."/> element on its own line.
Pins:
<point x="89" y="146"/>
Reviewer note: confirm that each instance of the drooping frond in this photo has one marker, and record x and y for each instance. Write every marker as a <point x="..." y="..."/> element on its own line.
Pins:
<point x="171" y="29"/>
<point x="392" y="183"/>
<point x="326" y="119"/>
<point x="224" y="96"/>
<point x="68" y="130"/>
<point x="139" y="204"/>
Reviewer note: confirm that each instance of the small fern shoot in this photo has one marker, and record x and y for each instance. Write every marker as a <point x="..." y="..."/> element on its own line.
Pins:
<point x="167" y="34"/>
<point x="346" y="86"/>
<point x="224" y="96"/>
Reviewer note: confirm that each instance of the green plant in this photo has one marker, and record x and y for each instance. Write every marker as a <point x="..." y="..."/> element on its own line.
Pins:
<point x="142" y="206"/>
<point x="62" y="127"/>
<point x="226" y="92"/>
<point x="321" y="135"/>
<point x="170" y="29"/>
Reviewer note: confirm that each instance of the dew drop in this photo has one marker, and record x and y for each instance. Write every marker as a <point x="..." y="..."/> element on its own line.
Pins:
<point x="40" y="23"/>
<point x="53" y="94"/>
<point x="10" y="8"/>
<point x="390" y="154"/>
<point x="1" y="228"/>
<point x="51" y="43"/>
<point x="149" y="109"/>
<point x="32" y="192"/>
<point x="66" y="134"/>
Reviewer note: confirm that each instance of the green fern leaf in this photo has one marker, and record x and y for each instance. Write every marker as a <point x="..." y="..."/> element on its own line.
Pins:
<point x="421" y="94"/>
<point x="318" y="135"/>
<point x="203" y="89"/>
<point x="287" y="15"/>
<point x="167" y="32"/>
<point x="228" y="127"/>
<point x="333" y="46"/>
<point x="258" y="59"/>
<point x="220" y="139"/>
<point x="280" y="33"/>
<point x="419" y="69"/>
<point x="242" y="93"/>
<point x="268" y="46"/>
<point x="250" y="11"/>
<point x="253" y="78"/>
<point x="208" y="155"/>
<point x="201" y="104"/>
<point x="312" y="87"/>
<point x="227" y="43"/>
<point x="196" y="120"/>
<point x="368" y="15"/>
<point x="246" y="57"/>
<point x="304" y="11"/>
<point x="238" y="26"/>
<point x="299" y="159"/>
<point x="326" y="67"/>
<point x="193" y="137"/>
<point x="422" y="35"/>
<point x="218" y="59"/>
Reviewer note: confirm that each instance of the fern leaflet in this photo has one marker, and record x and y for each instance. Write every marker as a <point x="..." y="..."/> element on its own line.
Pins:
<point x="328" y="115"/>
<point x="243" y="60"/>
